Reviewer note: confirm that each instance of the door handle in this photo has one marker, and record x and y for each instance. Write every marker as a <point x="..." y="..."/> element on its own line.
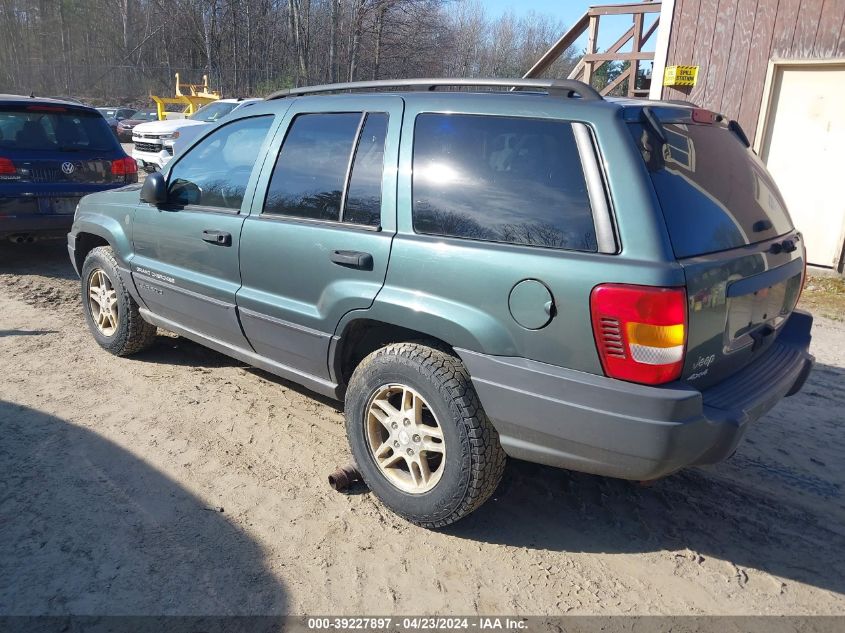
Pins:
<point x="352" y="259"/>
<point x="217" y="237"/>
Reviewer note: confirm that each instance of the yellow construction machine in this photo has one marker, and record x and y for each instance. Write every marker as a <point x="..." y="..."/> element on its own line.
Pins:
<point x="190" y="96"/>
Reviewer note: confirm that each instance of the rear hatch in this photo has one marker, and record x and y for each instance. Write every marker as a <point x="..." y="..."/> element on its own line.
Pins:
<point x="730" y="231"/>
<point x="51" y="155"/>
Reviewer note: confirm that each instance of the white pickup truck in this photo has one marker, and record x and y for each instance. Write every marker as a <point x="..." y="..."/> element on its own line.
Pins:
<point x="156" y="142"/>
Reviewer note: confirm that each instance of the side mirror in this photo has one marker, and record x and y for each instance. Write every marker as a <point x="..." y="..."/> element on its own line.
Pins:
<point x="154" y="189"/>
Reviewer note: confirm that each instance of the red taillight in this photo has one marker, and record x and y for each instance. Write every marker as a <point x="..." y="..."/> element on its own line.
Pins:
<point x="7" y="167"/>
<point x="125" y="166"/>
<point x="640" y="331"/>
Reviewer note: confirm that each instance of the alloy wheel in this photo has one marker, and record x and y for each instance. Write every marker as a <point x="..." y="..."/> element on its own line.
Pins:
<point x="405" y="438"/>
<point x="102" y="302"/>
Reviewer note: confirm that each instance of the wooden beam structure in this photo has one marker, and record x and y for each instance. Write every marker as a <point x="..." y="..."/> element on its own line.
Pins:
<point x="634" y="8"/>
<point x="592" y="60"/>
<point x="558" y="48"/>
<point x="612" y="57"/>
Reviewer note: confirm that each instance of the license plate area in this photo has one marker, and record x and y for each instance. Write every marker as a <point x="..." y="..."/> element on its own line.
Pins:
<point x="747" y="313"/>
<point x="58" y="206"/>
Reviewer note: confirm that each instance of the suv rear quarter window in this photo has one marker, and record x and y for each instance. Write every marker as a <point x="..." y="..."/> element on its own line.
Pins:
<point x="500" y="179"/>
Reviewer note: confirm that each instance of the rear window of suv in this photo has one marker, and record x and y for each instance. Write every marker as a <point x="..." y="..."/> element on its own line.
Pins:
<point x="715" y="193"/>
<point x="54" y="128"/>
<point x="501" y="179"/>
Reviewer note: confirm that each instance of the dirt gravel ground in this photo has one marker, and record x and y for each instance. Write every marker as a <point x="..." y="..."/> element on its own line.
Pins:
<point x="183" y="482"/>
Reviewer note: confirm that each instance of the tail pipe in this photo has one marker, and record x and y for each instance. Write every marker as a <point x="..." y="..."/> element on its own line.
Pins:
<point x="344" y="478"/>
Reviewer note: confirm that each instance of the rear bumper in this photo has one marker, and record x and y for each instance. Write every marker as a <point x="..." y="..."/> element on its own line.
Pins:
<point x="41" y="224"/>
<point x="555" y="416"/>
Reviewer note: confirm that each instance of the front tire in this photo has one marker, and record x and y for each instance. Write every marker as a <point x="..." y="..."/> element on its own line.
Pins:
<point x="419" y="435"/>
<point x="110" y="311"/>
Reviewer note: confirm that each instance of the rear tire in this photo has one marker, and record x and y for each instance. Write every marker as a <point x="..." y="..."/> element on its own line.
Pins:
<point x="110" y="311"/>
<point x="398" y="398"/>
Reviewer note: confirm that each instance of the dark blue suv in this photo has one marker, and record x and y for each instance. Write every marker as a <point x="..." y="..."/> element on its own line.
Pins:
<point x="52" y="153"/>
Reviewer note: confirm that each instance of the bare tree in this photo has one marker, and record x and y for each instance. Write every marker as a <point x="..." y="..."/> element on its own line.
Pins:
<point x="333" y="35"/>
<point x="299" y="25"/>
<point x="123" y="50"/>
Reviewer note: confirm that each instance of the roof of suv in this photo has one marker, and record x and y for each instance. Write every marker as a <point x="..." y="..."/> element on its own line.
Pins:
<point x="569" y="90"/>
<point x="49" y="100"/>
<point x="564" y="87"/>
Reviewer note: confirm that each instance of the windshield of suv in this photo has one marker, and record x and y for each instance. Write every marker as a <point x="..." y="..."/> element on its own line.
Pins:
<point x="53" y="128"/>
<point x="145" y="115"/>
<point x="213" y="112"/>
<point x="109" y="113"/>
<point x="715" y="193"/>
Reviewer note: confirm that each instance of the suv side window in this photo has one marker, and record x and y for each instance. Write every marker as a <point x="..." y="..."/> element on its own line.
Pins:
<point x="363" y="196"/>
<point x="310" y="176"/>
<point x="501" y="179"/>
<point x="215" y="172"/>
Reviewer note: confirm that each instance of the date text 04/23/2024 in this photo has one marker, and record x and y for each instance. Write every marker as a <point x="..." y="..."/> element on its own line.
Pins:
<point x="423" y="623"/>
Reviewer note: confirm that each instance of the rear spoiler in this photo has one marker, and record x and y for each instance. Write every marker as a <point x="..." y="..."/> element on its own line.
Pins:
<point x="684" y="113"/>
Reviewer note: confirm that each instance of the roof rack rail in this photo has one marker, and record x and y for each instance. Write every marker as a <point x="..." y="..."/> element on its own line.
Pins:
<point x="565" y="87"/>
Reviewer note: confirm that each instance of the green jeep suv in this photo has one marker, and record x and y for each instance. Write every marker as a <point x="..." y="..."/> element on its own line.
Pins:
<point x="513" y="268"/>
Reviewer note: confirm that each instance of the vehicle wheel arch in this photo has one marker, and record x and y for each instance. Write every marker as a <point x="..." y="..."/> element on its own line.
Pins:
<point x="445" y="325"/>
<point x="92" y="229"/>
<point x="361" y="336"/>
<point x="86" y="242"/>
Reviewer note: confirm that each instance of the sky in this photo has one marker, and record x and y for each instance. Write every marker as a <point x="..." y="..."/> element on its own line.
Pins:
<point x="568" y="11"/>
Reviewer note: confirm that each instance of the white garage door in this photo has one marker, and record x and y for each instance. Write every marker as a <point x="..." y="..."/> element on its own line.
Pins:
<point x="804" y="148"/>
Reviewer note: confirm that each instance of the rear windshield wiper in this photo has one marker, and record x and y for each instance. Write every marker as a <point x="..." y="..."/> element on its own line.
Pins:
<point x="652" y="140"/>
<point x="736" y="128"/>
<point x="649" y="119"/>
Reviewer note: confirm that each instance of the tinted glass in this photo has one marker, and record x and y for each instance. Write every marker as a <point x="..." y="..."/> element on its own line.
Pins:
<point x="54" y="129"/>
<point x="501" y="179"/>
<point x="714" y="191"/>
<point x="215" y="172"/>
<point x="363" y="198"/>
<point x="308" y="178"/>
<point x="213" y="112"/>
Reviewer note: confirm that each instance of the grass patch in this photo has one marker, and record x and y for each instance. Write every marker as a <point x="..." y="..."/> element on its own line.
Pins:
<point x="824" y="296"/>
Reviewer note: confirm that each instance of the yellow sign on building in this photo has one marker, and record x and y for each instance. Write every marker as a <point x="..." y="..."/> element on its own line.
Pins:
<point x="680" y="75"/>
